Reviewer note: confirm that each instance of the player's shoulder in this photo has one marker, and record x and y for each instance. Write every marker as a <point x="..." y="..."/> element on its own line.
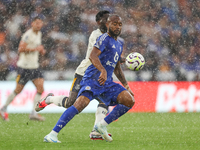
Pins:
<point x="29" y="31"/>
<point x="102" y="40"/>
<point x="97" y="31"/>
<point x="26" y="35"/>
<point x="104" y="37"/>
<point x="95" y="34"/>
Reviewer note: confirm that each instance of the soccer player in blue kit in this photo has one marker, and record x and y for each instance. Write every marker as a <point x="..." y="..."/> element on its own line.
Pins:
<point x="97" y="82"/>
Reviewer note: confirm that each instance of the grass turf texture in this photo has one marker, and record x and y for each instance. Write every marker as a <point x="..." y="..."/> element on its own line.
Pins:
<point x="138" y="131"/>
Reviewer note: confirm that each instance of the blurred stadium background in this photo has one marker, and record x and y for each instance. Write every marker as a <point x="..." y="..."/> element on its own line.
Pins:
<point x="166" y="32"/>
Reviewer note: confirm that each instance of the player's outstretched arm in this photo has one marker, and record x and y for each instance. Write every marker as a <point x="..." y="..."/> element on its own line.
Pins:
<point x="96" y="62"/>
<point x="120" y="75"/>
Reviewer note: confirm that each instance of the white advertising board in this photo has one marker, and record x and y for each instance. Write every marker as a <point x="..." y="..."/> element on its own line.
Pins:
<point x="23" y="103"/>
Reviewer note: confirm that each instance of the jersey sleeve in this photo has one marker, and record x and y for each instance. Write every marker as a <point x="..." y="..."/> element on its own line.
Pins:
<point x="93" y="38"/>
<point x="25" y="37"/>
<point x="101" y="42"/>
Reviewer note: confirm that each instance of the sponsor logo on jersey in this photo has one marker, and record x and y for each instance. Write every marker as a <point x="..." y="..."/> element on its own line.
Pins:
<point x="109" y="63"/>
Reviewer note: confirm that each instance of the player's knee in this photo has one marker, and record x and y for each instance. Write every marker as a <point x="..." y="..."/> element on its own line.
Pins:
<point x="130" y="101"/>
<point x="17" y="91"/>
<point x="126" y="99"/>
<point x="40" y="91"/>
<point x="81" y="103"/>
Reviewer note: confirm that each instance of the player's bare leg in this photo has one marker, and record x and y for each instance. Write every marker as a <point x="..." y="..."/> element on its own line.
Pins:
<point x="66" y="102"/>
<point x="39" y="82"/>
<point x="3" y="110"/>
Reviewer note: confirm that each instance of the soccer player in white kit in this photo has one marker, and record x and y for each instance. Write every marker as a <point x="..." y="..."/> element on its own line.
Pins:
<point x="102" y="109"/>
<point x="30" y="48"/>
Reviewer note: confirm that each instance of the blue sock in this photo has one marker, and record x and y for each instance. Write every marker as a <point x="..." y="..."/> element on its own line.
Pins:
<point x="117" y="112"/>
<point x="65" y="118"/>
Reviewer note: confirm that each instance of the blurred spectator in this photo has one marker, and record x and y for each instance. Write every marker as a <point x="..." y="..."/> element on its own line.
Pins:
<point x="60" y="59"/>
<point x="165" y="32"/>
<point x="2" y="35"/>
<point x="8" y="61"/>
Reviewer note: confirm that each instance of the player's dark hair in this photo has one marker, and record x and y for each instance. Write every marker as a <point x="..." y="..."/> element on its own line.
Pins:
<point x="35" y="18"/>
<point x="100" y="14"/>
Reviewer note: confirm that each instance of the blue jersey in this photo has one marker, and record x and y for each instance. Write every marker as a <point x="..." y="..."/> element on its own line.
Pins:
<point x="110" y="54"/>
<point x="111" y="50"/>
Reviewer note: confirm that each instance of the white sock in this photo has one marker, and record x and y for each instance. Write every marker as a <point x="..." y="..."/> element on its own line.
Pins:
<point x="103" y="122"/>
<point x="9" y="100"/>
<point x="57" y="100"/>
<point x="100" y="114"/>
<point x="54" y="133"/>
<point x="36" y="99"/>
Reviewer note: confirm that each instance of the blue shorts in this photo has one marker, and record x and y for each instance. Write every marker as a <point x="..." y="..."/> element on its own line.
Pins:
<point x="107" y="93"/>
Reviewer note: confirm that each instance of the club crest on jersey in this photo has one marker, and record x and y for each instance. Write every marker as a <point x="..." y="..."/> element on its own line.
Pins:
<point x="88" y="88"/>
<point x="26" y="38"/>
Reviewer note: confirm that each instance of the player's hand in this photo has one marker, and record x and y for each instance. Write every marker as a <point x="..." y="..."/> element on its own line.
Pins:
<point x="41" y="49"/>
<point x="129" y="90"/>
<point x="43" y="52"/>
<point x="103" y="77"/>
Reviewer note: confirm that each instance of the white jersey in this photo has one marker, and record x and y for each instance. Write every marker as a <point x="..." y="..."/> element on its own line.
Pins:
<point x="30" y="60"/>
<point x="86" y="62"/>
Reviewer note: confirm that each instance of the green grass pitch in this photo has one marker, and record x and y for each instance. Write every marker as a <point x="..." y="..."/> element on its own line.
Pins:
<point x="133" y="131"/>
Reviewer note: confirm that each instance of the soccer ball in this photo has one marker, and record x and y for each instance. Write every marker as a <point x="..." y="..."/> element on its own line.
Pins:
<point x="135" y="61"/>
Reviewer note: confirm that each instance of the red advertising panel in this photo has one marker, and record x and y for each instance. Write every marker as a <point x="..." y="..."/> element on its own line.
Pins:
<point x="145" y="96"/>
<point x="149" y="96"/>
<point x="166" y="96"/>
